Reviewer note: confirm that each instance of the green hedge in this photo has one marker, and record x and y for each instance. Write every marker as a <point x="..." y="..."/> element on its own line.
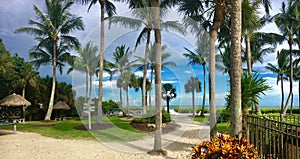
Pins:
<point x="165" y="118"/>
<point x="189" y="110"/>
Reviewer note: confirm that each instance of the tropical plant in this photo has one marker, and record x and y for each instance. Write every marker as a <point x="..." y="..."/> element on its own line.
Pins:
<point x="121" y="63"/>
<point x="224" y="146"/>
<point x="168" y="93"/>
<point x="281" y="69"/>
<point x="52" y="29"/>
<point x="144" y="19"/>
<point x="285" y="22"/>
<point x="152" y="64"/>
<point x="140" y="85"/>
<point x="110" y="9"/>
<point x="194" y="85"/>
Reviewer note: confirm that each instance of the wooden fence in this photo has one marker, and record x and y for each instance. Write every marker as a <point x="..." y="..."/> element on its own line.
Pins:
<point x="273" y="138"/>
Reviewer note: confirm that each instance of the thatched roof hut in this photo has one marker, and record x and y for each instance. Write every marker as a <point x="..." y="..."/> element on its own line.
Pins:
<point x="14" y="100"/>
<point x="61" y="105"/>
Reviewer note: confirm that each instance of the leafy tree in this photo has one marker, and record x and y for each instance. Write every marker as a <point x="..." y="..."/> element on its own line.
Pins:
<point x="105" y="7"/>
<point x="281" y="69"/>
<point x="193" y="85"/>
<point x="52" y="29"/>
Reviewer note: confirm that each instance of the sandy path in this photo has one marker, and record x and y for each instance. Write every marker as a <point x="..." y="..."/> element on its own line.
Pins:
<point x="34" y="146"/>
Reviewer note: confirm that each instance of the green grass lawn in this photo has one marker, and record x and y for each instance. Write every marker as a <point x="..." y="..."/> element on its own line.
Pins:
<point x="221" y="127"/>
<point x="121" y="131"/>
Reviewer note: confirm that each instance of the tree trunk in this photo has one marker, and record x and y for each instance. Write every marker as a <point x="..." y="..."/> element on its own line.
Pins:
<point x="291" y="76"/>
<point x="282" y="93"/>
<point x="91" y="86"/>
<point x="86" y="85"/>
<point x="204" y="91"/>
<point x="23" y="90"/>
<point x="145" y="72"/>
<point x="236" y="71"/>
<point x="193" y="102"/>
<point x="50" y="107"/>
<point x="292" y="101"/>
<point x="158" y="95"/>
<point x="127" y="99"/>
<point x="248" y="52"/>
<point x="219" y="15"/>
<point x="299" y="93"/>
<point x="100" y="94"/>
<point x="151" y="81"/>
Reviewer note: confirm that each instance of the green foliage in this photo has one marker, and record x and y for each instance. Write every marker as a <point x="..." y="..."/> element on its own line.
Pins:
<point x="110" y="105"/>
<point x="223" y="115"/>
<point x="188" y="110"/>
<point x="165" y="118"/>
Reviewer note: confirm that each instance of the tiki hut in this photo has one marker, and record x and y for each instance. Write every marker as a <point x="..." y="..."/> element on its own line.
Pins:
<point x="61" y="106"/>
<point x="15" y="100"/>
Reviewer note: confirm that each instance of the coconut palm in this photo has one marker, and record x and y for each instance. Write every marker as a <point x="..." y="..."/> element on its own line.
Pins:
<point x="193" y="85"/>
<point x="105" y="7"/>
<point x="169" y="92"/>
<point x="144" y="19"/>
<point x="151" y="63"/>
<point x="53" y="27"/>
<point x="281" y="69"/>
<point x="285" y="22"/>
<point x="140" y="85"/>
<point x="121" y="63"/>
<point x="236" y="70"/>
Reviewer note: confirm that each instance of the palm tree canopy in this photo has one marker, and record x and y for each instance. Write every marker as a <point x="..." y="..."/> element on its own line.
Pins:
<point x="109" y="7"/>
<point x="193" y="84"/>
<point x="282" y="65"/>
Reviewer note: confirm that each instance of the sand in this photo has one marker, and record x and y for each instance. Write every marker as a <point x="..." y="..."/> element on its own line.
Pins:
<point x="34" y="146"/>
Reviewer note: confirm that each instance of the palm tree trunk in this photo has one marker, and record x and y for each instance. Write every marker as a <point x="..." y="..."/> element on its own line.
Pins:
<point x="145" y="72"/>
<point x="127" y="99"/>
<point x="121" y="101"/>
<point x="158" y="95"/>
<point x="291" y="77"/>
<point x="248" y="56"/>
<point x="151" y="81"/>
<point x="100" y="94"/>
<point x="50" y="107"/>
<point x="204" y="91"/>
<point x="282" y="93"/>
<point x="91" y="86"/>
<point x="292" y="101"/>
<point x="23" y="90"/>
<point x="299" y="92"/>
<point x="236" y="71"/>
<point x="193" y="102"/>
<point x="86" y="85"/>
<point x="219" y="15"/>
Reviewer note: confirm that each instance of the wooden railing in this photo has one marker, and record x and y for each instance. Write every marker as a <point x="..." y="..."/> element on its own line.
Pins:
<point x="273" y="138"/>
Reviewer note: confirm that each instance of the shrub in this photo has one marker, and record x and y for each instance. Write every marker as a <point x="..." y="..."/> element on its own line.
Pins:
<point x="165" y="118"/>
<point x="223" y="115"/>
<point x="110" y="105"/>
<point x="225" y="147"/>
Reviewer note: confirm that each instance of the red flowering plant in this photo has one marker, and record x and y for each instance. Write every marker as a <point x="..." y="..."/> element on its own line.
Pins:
<point x="225" y="147"/>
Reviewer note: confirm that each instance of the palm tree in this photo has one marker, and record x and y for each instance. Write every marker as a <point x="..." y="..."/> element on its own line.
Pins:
<point x="53" y="26"/>
<point x="281" y="70"/>
<point x="121" y="63"/>
<point x="168" y="93"/>
<point x="144" y="19"/>
<point x="198" y="58"/>
<point x="140" y="85"/>
<point x="236" y="70"/>
<point x="285" y="23"/>
<point x="193" y="85"/>
<point x="151" y="63"/>
<point x="110" y="9"/>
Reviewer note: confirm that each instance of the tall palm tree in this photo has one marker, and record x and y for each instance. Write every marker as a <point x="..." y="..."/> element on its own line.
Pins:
<point x="193" y="85"/>
<point x="121" y="63"/>
<point x="199" y="58"/>
<point x="285" y="23"/>
<point x="152" y="65"/>
<point x="144" y="19"/>
<point x="140" y="85"/>
<point x="110" y="9"/>
<point x="281" y="70"/>
<point x="236" y="70"/>
<point x="53" y="27"/>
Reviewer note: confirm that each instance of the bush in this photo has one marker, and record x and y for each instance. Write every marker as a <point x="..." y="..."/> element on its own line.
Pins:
<point x="225" y="147"/>
<point x="165" y="118"/>
<point x="110" y="105"/>
<point x="223" y="115"/>
<point x="189" y="110"/>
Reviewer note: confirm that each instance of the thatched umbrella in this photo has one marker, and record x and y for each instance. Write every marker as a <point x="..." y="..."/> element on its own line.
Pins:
<point x="15" y="100"/>
<point x="62" y="106"/>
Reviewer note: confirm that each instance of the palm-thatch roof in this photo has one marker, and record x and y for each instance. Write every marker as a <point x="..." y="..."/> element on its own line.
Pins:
<point x="14" y="100"/>
<point x="61" y="105"/>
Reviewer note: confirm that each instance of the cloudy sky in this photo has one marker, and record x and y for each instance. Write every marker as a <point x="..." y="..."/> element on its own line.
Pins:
<point x="16" y="13"/>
